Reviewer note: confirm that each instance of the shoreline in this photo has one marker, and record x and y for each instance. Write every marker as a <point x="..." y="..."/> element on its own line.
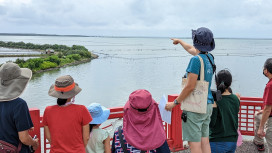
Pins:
<point x="21" y="55"/>
<point x="66" y="65"/>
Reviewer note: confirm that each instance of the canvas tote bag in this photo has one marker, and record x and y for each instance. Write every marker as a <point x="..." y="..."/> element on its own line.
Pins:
<point x="196" y="101"/>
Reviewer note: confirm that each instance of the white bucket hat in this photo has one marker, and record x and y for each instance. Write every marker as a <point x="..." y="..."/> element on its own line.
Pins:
<point x="13" y="81"/>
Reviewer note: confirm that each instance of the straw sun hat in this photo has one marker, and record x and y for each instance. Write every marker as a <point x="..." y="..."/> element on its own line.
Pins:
<point x="13" y="81"/>
<point x="64" y="88"/>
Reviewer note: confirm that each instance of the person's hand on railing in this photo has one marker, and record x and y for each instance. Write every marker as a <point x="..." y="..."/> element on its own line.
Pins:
<point x="238" y="95"/>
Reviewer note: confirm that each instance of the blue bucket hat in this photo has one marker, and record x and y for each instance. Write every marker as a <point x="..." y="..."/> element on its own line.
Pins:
<point x="99" y="113"/>
<point x="203" y="39"/>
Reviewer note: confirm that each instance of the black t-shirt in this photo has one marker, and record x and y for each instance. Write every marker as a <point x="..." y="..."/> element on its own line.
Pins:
<point x="14" y="118"/>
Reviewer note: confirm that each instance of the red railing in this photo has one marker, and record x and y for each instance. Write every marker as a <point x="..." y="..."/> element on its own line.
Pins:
<point x="248" y="107"/>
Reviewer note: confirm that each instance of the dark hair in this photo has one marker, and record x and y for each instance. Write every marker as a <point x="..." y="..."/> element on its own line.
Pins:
<point x="223" y="81"/>
<point x="268" y="65"/>
<point x="91" y="127"/>
<point x="61" y="101"/>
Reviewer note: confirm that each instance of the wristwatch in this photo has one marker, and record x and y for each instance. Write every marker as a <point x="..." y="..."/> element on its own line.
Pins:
<point x="176" y="102"/>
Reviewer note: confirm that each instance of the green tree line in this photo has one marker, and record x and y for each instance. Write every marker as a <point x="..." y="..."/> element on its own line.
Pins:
<point x="56" y="47"/>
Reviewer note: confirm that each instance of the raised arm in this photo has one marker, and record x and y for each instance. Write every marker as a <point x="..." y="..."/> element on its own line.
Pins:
<point x="189" y="48"/>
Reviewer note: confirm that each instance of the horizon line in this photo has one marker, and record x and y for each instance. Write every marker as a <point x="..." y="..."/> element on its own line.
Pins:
<point x="64" y="35"/>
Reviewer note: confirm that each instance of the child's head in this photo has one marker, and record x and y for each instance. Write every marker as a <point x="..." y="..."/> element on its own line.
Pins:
<point x="223" y="80"/>
<point x="267" y="67"/>
<point x="99" y="113"/>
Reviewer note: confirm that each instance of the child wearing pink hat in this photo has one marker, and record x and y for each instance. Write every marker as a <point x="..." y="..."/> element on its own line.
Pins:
<point x="142" y="126"/>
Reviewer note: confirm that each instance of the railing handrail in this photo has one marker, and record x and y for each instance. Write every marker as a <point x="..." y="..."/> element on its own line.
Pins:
<point x="248" y="106"/>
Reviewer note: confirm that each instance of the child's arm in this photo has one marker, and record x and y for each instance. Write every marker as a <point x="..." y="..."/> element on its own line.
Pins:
<point x="189" y="48"/>
<point x="85" y="134"/>
<point x="107" y="145"/>
<point x="47" y="133"/>
<point x="214" y="115"/>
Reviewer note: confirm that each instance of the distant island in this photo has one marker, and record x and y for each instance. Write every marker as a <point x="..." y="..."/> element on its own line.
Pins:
<point x="51" y="57"/>
<point x="34" y="34"/>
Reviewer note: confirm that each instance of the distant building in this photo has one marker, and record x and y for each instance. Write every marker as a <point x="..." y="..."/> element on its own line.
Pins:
<point x="49" y="51"/>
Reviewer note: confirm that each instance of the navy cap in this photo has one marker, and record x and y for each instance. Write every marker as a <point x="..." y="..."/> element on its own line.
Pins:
<point x="203" y="39"/>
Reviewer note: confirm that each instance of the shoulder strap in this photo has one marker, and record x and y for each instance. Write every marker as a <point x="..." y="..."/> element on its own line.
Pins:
<point x="213" y="65"/>
<point x="124" y="147"/>
<point x="201" y="68"/>
<point x="19" y="147"/>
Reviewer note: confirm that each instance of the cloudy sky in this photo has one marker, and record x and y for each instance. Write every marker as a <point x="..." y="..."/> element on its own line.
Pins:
<point x="166" y="18"/>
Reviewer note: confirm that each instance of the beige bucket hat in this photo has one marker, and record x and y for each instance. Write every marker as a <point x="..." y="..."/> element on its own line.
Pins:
<point x="64" y="88"/>
<point x="13" y="81"/>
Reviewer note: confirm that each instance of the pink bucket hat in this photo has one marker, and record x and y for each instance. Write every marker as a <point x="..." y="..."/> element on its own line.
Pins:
<point x="142" y="123"/>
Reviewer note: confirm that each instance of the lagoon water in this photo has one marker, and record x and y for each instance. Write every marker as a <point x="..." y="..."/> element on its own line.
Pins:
<point x="155" y="64"/>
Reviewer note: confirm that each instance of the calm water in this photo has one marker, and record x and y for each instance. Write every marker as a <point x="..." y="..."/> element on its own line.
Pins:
<point x="155" y="64"/>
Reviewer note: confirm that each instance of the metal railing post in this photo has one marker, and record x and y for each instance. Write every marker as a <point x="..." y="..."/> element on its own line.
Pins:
<point x="175" y="129"/>
<point x="35" y="116"/>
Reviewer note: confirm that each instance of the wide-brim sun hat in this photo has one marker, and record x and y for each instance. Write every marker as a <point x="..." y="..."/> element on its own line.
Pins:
<point x="203" y="39"/>
<point x="142" y="123"/>
<point x="64" y="88"/>
<point x="13" y="81"/>
<point x="99" y="113"/>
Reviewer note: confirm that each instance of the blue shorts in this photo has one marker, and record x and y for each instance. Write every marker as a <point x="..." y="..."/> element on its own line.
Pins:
<point x="223" y="147"/>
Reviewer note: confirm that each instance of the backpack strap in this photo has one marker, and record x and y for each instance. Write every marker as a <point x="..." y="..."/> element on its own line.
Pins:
<point x="124" y="147"/>
<point x="19" y="147"/>
<point x="213" y="65"/>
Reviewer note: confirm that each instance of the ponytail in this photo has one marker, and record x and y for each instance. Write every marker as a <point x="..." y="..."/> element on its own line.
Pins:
<point x="91" y="127"/>
<point x="223" y="81"/>
<point x="222" y="87"/>
<point x="61" y="102"/>
<point x="230" y="90"/>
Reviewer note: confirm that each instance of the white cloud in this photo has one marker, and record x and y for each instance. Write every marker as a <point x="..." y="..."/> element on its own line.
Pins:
<point x="243" y="18"/>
